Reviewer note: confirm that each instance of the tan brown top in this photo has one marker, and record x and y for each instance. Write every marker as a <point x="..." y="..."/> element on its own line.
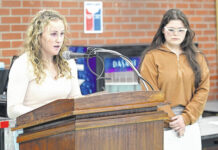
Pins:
<point x="172" y="75"/>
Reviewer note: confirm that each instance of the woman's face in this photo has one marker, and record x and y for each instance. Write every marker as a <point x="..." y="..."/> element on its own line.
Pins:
<point x="52" y="38"/>
<point x="174" y="32"/>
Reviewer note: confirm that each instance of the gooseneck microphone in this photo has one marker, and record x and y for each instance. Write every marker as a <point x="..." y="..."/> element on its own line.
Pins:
<point x="71" y="55"/>
<point x="92" y="50"/>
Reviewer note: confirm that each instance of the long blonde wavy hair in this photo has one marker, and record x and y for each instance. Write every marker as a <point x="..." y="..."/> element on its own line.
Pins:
<point x="33" y="48"/>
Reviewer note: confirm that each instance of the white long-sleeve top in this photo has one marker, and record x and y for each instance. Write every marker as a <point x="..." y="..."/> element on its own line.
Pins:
<point x="25" y="95"/>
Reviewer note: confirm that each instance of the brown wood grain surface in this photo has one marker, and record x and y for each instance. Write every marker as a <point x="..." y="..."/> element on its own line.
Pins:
<point x="89" y="104"/>
<point x="115" y="121"/>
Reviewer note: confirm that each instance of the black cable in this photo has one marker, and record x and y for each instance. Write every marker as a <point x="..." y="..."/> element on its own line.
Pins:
<point x="102" y="72"/>
<point x="94" y="50"/>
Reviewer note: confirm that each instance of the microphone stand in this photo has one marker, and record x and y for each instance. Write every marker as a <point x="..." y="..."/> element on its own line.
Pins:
<point x="95" y="50"/>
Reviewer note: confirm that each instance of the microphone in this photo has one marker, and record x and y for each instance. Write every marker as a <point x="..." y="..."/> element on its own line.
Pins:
<point x="72" y="55"/>
<point x="102" y="50"/>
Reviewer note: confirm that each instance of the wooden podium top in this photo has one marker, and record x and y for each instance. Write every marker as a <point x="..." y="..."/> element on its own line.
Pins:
<point x="89" y="105"/>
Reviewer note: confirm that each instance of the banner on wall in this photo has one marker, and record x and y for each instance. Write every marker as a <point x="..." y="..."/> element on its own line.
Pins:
<point x="93" y="22"/>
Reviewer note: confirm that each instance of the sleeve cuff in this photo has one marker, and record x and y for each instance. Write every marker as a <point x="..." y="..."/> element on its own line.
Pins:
<point x="186" y="119"/>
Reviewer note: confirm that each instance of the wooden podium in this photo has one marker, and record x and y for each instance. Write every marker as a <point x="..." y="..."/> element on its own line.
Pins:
<point x="104" y="121"/>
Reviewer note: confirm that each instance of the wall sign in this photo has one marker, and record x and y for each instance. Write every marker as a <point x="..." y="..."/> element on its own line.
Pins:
<point x="93" y="22"/>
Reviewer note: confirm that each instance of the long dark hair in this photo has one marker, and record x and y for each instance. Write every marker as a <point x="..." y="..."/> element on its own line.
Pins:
<point x="187" y="45"/>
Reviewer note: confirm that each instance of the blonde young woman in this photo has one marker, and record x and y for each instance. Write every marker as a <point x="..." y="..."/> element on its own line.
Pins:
<point x="175" y="66"/>
<point x="40" y="75"/>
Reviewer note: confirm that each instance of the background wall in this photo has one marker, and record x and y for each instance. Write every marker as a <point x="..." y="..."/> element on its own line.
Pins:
<point x="124" y="22"/>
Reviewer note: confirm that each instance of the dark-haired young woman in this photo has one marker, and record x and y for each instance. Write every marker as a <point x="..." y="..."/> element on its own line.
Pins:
<point x="174" y="65"/>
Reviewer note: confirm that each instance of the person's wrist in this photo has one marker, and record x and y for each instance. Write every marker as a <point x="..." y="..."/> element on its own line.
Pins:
<point x="186" y="119"/>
